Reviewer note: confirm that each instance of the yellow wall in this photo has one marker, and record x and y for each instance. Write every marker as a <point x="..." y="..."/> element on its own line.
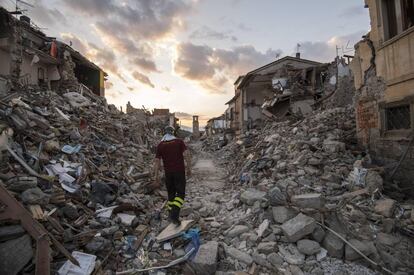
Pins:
<point x="394" y="58"/>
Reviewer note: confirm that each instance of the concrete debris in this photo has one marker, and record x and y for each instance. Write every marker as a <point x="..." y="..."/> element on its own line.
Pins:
<point x="15" y="254"/>
<point x="70" y="155"/>
<point x="298" y="227"/>
<point x="292" y="255"/>
<point x="334" y="245"/>
<point x="282" y="214"/>
<point x="238" y="255"/>
<point x="205" y="262"/>
<point x="238" y="230"/>
<point x="297" y="174"/>
<point x="312" y="200"/>
<point x="267" y="247"/>
<point x="308" y="247"/>
<point x="250" y="196"/>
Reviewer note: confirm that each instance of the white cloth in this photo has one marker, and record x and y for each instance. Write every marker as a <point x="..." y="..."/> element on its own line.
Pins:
<point x="168" y="137"/>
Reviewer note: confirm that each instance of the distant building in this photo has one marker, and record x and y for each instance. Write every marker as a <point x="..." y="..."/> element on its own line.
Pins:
<point x="29" y="57"/>
<point x="216" y="125"/>
<point x="253" y="89"/>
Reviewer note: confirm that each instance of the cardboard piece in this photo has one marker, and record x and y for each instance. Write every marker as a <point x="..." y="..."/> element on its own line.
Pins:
<point x="172" y="231"/>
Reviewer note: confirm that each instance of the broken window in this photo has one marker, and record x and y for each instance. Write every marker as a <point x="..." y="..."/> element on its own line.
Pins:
<point x="398" y="16"/>
<point x="390" y="18"/>
<point x="407" y="7"/>
<point x="398" y="118"/>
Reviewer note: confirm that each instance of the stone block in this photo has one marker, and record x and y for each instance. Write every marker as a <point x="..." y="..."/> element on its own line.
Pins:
<point x="237" y="230"/>
<point x="308" y="247"/>
<point x="205" y="262"/>
<point x="311" y="200"/>
<point x="334" y="245"/>
<point x="250" y="196"/>
<point x="298" y="227"/>
<point x="238" y="255"/>
<point x="318" y="234"/>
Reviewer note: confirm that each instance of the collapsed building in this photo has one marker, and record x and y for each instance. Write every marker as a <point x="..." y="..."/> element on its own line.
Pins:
<point x="384" y="78"/>
<point x="216" y="125"/>
<point x="30" y="57"/>
<point x="257" y="86"/>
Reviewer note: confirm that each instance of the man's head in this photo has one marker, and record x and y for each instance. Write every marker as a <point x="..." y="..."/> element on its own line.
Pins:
<point x="169" y="130"/>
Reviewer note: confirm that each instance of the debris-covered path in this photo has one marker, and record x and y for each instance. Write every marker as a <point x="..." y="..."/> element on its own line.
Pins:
<point x="240" y="238"/>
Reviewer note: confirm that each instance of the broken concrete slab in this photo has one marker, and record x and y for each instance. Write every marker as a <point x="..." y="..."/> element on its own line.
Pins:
<point x="238" y="255"/>
<point x="10" y="232"/>
<point x="385" y="207"/>
<point x="282" y="214"/>
<point x="298" y="227"/>
<point x="334" y="245"/>
<point x="250" y="196"/>
<point x="15" y="254"/>
<point x="205" y="262"/>
<point x="311" y="200"/>
<point x="172" y="231"/>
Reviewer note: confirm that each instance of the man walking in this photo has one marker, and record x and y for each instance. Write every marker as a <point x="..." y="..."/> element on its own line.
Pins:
<point x="173" y="152"/>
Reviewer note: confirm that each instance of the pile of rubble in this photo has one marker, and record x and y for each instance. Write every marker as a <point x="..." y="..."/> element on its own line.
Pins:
<point x="308" y="196"/>
<point x="82" y="171"/>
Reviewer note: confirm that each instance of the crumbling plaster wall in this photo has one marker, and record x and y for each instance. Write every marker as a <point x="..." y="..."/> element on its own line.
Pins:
<point x="30" y="71"/>
<point x="383" y="73"/>
<point x="255" y="97"/>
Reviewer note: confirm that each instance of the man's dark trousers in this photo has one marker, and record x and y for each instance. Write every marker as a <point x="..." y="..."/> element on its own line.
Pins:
<point x="175" y="182"/>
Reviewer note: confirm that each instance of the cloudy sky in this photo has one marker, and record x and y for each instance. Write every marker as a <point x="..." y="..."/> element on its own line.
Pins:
<point x="185" y="54"/>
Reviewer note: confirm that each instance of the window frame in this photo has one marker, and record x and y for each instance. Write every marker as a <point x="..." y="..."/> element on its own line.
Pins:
<point x="400" y="133"/>
<point x="399" y="29"/>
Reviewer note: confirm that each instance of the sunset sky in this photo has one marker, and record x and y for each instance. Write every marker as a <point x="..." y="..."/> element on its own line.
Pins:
<point x="185" y="54"/>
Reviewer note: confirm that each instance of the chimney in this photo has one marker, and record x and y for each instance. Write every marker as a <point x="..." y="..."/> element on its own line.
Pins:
<point x="298" y="55"/>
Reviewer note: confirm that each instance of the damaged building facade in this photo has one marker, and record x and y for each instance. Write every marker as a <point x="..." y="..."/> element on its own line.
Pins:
<point x="259" y="86"/>
<point x="30" y="58"/>
<point x="383" y="68"/>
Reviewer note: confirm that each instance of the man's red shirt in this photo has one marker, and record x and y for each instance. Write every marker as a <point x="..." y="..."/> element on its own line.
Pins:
<point x="171" y="153"/>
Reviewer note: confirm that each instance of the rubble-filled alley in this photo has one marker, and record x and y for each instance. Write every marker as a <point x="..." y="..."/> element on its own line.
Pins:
<point x="308" y="170"/>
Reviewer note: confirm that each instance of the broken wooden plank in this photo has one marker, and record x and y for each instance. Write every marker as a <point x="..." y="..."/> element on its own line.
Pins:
<point x="37" y="212"/>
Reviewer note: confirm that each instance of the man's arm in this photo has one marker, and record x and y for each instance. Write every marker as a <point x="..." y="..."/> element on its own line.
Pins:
<point x="187" y="158"/>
